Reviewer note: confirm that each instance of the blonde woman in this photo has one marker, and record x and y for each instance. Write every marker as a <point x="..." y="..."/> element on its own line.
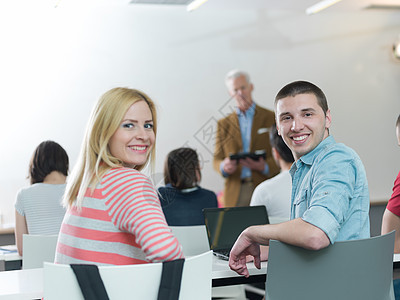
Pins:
<point x="114" y="216"/>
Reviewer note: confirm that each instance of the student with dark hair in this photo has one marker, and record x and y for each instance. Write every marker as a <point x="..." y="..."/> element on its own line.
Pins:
<point x="330" y="196"/>
<point x="275" y="193"/>
<point x="182" y="199"/>
<point x="38" y="208"/>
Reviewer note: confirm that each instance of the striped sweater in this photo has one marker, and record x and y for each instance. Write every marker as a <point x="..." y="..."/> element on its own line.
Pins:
<point x="120" y="222"/>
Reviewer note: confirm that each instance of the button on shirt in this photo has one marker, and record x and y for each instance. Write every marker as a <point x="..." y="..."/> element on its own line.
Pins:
<point x="330" y="191"/>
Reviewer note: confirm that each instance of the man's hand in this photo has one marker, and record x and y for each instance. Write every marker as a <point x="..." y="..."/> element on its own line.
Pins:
<point x="264" y="251"/>
<point x="229" y="165"/>
<point x="255" y="165"/>
<point x="243" y="247"/>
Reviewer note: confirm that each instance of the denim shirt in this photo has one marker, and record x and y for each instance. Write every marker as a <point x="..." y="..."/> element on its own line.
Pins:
<point x="330" y="191"/>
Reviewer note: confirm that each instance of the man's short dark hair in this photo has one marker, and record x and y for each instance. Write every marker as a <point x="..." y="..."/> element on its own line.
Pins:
<point x="398" y="121"/>
<point x="48" y="157"/>
<point x="280" y="146"/>
<point x="303" y="87"/>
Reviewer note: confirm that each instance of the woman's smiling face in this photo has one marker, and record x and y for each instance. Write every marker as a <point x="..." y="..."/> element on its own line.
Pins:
<point x="133" y="140"/>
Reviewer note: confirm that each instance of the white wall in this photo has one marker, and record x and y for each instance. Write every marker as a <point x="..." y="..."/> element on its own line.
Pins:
<point x="55" y="63"/>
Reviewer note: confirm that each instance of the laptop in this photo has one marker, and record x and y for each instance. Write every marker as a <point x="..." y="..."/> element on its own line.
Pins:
<point x="225" y="224"/>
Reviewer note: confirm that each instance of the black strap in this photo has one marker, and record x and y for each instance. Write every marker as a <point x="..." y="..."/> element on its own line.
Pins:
<point x="171" y="276"/>
<point x="90" y="282"/>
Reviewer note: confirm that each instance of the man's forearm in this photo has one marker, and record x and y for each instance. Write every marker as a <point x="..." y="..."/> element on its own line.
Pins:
<point x="295" y="232"/>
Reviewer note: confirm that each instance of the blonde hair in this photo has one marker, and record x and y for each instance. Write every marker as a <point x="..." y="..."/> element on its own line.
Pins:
<point x="95" y="158"/>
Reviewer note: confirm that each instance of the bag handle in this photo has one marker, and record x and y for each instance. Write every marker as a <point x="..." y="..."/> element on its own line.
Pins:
<point x="171" y="276"/>
<point x="90" y="281"/>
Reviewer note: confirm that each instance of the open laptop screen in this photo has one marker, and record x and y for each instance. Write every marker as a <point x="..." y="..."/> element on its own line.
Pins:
<point x="224" y="225"/>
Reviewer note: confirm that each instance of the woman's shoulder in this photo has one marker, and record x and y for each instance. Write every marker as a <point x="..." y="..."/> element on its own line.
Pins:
<point x="124" y="172"/>
<point x="205" y="191"/>
<point x="121" y="175"/>
<point x="24" y="191"/>
<point x="208" y="195"/>
<point x="41" y="187"/>
<point x="167" y="192"/>
<point x="165" y="188"/>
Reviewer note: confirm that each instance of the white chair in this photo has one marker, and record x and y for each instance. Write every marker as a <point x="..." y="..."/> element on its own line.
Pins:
<point x="37" y="249"/>
<point x="348" y="270"/>
<point x="194" y="241"/>
<point x="192" y="238"/>
<point x="132" y="281"/>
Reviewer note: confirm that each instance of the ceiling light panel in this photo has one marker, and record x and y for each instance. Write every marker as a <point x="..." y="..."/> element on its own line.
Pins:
<point x="167" y="2"/>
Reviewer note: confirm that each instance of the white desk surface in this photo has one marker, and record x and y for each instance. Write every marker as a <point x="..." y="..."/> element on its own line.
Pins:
<point x="21" y="284"/>
<point x="9" y="253"/>
<point x="28" y="284"/>
<point x="221" y="269"/>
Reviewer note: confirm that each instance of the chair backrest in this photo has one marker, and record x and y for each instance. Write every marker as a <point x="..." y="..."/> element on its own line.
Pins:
<point x="192" y="238"/>
<point x="348" y="270"/>
<point x="194" y="241"/>
<point x="132" y="281"/>
<point x="37" y="249"/>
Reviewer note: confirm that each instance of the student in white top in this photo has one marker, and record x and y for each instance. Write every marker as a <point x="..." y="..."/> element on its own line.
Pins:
<point x="38" y="208"/>
<point x="275" y="193"/>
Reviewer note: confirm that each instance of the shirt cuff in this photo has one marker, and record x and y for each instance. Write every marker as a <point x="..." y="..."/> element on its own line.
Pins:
<point x="221" y="168"/>
<point x="321" y="218"/>
<point x="266" y="170"/>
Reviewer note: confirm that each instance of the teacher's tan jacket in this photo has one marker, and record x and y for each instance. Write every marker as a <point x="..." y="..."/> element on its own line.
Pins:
<point x="229" y="141"/>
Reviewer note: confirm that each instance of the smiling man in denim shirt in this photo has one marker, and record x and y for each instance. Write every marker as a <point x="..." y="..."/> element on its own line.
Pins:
<point x="330" y="196"/>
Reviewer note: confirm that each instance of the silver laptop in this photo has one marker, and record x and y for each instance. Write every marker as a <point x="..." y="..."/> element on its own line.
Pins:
<point x="224" y="225"/>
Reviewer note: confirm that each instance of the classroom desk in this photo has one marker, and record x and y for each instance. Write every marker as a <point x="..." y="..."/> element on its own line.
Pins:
<point x="21" y="284"/>
<point x="223" y="276"/>
<point x="7" y="234"/>
<point x="28" y="284"/>
<point x="9" y="258"/>
<point x="396" y="261"/>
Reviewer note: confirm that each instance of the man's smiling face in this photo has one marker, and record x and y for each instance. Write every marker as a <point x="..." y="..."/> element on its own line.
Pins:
<point x="302" y="123"/>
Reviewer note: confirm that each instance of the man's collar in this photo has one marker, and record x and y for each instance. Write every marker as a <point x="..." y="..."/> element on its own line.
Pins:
<point x="251" y="109"/>
<point x="309" y="157"/>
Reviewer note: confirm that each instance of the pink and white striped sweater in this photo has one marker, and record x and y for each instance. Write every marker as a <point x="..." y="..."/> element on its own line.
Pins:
<point x="121" y="222"/>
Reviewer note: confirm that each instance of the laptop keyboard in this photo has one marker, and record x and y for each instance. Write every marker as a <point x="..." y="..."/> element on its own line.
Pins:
<point x="222" y="254"/>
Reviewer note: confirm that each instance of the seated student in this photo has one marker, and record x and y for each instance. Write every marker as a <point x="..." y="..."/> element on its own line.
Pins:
<point x="38" y="208"/>
<point x="182" y="199"/>
<point x="275" y="193"/>
<point x="391" y="216"/>
<point x="330" y="196"/>
<point x="114" y="216"/>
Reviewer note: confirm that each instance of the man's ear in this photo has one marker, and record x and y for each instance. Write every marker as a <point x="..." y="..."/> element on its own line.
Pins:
<point x="277" y="128"/>
<point x="328" y="119"/>
<point x="275" y="154"/>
